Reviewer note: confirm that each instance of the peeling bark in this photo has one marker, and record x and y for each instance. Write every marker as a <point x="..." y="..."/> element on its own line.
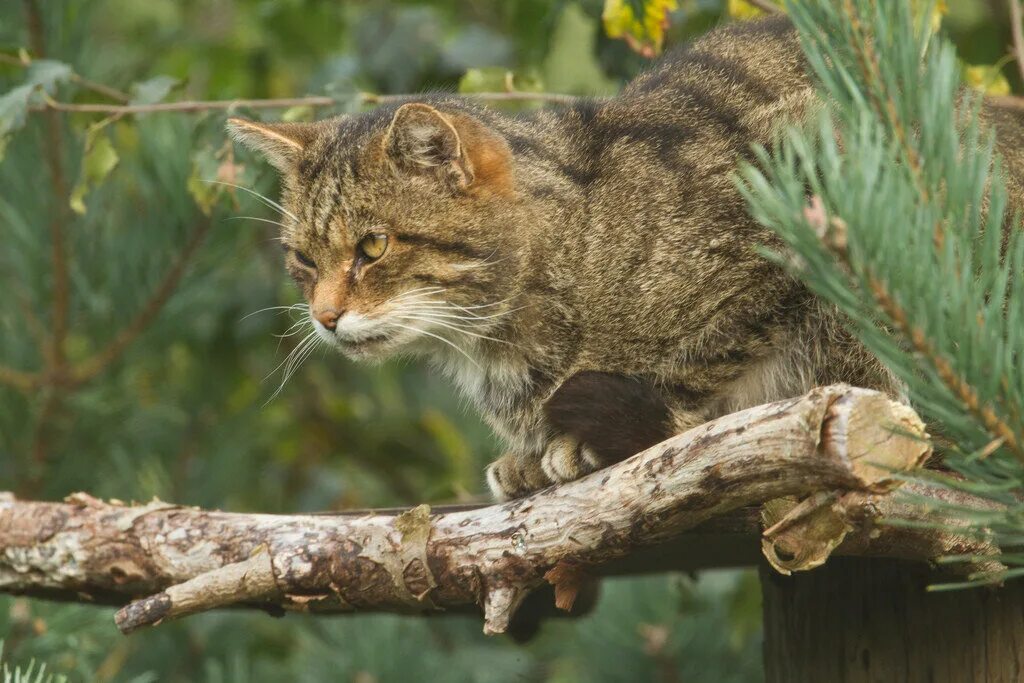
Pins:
<point x="835" y="441"/>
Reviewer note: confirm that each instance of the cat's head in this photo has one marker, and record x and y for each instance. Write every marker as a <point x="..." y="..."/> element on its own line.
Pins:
<point x="396" y="224"/>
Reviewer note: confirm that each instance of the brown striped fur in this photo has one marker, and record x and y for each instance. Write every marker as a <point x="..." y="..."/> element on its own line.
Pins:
<point x="605" y="241"/>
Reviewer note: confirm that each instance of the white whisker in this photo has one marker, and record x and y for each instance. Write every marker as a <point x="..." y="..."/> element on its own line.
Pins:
<point x="290" y="354"/>
<point x="438" y="337"/>
<point x="483" y="264"/>
<point x="256" y="218"/>
<point x="415" y="294"/>
<point x="266" y="200"/>
<point x="449" y="304"/>
<point x="456" y="328"/>
<point x="295" y="359"/>
<point x="452" y="312"/>
<point x="294" y="329"/>
<point x="293" y="307"/>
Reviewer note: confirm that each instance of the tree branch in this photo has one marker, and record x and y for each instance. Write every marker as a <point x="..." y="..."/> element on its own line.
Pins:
<point x="54" y="147"/>
<point x="839" y="440"/>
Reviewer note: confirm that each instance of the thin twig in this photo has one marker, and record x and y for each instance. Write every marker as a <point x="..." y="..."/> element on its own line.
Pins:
<point x="117" y="346"/>
<point x="1009" y="101"/>
<point x="78" y="79"/>
<point x="19" y="379"/>
<point x="1017" y="27"/>
<point x="288" y="102"/>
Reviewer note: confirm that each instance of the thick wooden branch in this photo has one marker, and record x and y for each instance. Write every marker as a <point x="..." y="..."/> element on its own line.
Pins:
<point x="835" y="442"/>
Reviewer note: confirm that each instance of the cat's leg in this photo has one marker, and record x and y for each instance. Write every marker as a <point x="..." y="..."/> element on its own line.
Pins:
<point x="603" y="418"/>
<point x="595" y="419"/>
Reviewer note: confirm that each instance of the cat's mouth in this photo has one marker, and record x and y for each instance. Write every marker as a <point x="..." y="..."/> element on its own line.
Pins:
<point x="362" y="346"/>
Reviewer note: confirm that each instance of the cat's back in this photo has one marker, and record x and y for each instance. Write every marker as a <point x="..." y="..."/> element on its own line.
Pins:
<point x="671" y="140"/>
<point x="729" y="74"/>
<point x="709" y="99"/>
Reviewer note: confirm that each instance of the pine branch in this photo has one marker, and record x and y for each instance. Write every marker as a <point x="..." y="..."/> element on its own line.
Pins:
<point x="96" y="364"/>
<point x="910" y="232"/>
<point x="1004" y="434"/>
<point x="885" y="106"/>
<point x="838" y="439"/>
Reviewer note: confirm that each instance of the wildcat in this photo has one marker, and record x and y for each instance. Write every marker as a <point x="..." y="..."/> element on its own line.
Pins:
<point x="588" y="276"/>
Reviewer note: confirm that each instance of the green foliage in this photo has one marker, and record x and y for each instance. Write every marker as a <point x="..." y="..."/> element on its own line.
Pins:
<point x="183" y="412"/>
<point x="42" y="77"/>
<point x="29" y="674"/>
<point x="907" y="233"/>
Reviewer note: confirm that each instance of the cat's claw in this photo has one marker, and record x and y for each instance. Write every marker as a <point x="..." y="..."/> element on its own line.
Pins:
<point x="566" y="459"/>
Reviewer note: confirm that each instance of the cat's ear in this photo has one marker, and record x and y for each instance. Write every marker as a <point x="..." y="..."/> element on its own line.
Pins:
<point x="455" y="148"/>
<point x="281" y="143"/>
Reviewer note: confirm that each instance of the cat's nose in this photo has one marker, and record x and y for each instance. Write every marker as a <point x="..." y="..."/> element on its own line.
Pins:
<point x="329" y="317"/>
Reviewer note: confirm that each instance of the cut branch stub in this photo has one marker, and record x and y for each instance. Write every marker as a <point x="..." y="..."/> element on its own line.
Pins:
<point x="829" y="440"/>
<point x="878" y="438"/>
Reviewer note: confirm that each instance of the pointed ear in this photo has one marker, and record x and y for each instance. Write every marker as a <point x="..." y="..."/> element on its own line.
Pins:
<point x="455" y="148"/>
<point x="280" y="143"/>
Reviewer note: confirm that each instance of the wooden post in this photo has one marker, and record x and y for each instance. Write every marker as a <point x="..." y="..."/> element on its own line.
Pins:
<point x="857" y="620"/>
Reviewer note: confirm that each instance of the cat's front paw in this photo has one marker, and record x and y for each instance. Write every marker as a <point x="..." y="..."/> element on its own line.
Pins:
<point x="514" y="475"/>
<point x="567" y="459"/>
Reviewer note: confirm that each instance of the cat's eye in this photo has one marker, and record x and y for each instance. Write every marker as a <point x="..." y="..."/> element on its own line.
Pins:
<point x="373" y="245"/>
<point x="304" y="260"/>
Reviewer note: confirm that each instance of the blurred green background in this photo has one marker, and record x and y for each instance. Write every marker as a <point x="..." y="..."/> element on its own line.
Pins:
<point x="185" y="412"/>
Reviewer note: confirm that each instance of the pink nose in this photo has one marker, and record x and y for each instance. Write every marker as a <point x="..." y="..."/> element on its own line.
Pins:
<point x="328" y="318"/>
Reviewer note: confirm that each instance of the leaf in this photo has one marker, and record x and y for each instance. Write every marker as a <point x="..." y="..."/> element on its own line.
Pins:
<point x="48" y="74"/>
<point x="99" y="160"/>
<point x="13" y="108"/>
<point x="298" y="113"/>
<point x="938" y="8"/>
<point x="214" y="170"/>
<point x="204" y="167"/>
<point x="152" y="90"/>
<point x="571" y="64"/>
<point x="986" y="78"/>
<point x="641" y="24"/>
<point x="42" y="75"/>
<point x="741" y="9"/>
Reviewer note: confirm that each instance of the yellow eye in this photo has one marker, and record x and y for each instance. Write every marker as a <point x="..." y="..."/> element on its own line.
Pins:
<point x="373" y="245"/>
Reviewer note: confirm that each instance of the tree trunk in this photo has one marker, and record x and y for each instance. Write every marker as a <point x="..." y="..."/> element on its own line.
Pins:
<point x="858" y="619"/>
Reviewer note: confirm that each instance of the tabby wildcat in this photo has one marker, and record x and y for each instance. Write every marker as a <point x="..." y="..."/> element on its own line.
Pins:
<point x="588" y="276"/>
